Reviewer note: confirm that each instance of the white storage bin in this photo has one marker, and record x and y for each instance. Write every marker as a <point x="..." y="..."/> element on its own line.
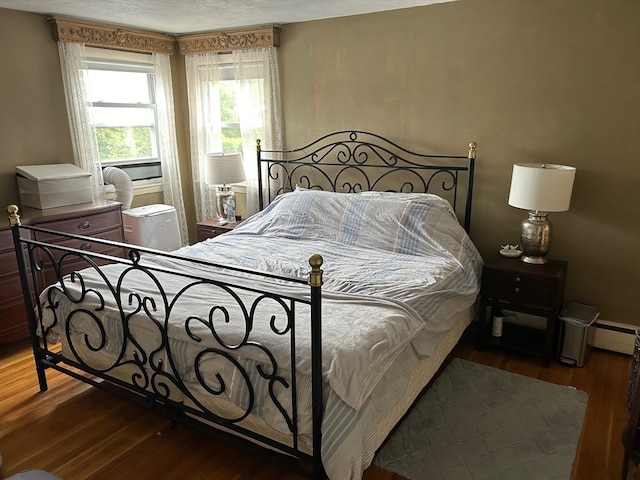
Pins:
<point x="153" y="226"/>
<point x="56" y="185"/>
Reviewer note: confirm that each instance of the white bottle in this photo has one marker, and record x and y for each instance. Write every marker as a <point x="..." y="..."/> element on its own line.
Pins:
<point x="496" y="328"/>
<point x="231" y="210"/>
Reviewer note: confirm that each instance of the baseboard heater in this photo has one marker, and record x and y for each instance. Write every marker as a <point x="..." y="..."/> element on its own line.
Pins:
<point x="613" y="336"/>
<point x="615" y="328"/>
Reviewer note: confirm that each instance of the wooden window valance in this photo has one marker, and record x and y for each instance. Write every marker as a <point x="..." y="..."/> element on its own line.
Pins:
<point x="227" y="41"/>
<point x="116" y="38"/>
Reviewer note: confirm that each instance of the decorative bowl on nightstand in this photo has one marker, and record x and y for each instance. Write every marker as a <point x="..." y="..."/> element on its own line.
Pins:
<point x="510" y="251"/>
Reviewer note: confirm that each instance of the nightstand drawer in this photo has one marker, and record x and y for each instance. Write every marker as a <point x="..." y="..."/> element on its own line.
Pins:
<point x="519" y="288"/>
<point x="211" y="228"/>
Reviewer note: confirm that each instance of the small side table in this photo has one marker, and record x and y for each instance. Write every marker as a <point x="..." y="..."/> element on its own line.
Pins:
<point x="511" y="284"/>
<point x="211" y="228"/>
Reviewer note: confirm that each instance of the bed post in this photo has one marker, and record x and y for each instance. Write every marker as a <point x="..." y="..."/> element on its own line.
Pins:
<point x="14" y="220"/>
<point x="260" y="193"/>
<point x="467" y="209"/>
<point x="315" y="281"/>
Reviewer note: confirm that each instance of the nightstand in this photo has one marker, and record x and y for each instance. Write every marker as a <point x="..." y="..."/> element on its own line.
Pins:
<point x="211" y="228"/>
<point x="511" y="284"/>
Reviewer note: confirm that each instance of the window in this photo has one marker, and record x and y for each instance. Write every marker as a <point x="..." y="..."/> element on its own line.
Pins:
<point x="234" y="98"/>
<point x="123" y="107"/>
<point x="229" y="118"/>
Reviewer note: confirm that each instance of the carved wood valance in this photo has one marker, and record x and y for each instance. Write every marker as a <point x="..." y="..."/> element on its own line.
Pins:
<point x="110" y="37"/>
<point x="228" y="41"/>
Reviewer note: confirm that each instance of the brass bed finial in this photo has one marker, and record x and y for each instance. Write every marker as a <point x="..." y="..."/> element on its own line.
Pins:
<point x="315" y="276"/>
<point x="472" y="149"/>
<point x="14" y="218"/>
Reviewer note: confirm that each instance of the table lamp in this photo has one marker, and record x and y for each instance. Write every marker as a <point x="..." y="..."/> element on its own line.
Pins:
<point x="540" y="188"/>
<point x="222" y="169"/>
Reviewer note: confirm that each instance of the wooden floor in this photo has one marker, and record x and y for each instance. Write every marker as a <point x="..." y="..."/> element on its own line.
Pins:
<point x="80" y="432"/>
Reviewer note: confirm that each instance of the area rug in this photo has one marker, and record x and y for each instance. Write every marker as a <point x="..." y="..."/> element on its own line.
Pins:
<point x="477" y="422"/>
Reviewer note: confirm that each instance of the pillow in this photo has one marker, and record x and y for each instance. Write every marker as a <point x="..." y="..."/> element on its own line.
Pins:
<point x="411" y="223"/>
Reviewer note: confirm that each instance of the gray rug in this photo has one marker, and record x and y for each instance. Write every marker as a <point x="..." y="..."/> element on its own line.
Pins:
<point x="477" y="422"/>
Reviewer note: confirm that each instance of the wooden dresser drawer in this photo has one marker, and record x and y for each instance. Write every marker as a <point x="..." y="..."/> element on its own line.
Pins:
<point x="8" y="262"/>
<point x="518" y="287"/>
<point x="10" y="287"/>
<point x="89" y="246"/>
<point x="522" y="284"/>
<point x="84" y="225"/>
<point x="6" y="241"/>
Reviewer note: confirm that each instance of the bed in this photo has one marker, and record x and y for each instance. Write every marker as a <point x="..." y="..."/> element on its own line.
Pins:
<point x="306" y="333"/>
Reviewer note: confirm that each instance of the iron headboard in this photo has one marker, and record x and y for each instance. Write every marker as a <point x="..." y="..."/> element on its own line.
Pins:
<point x="351" y="161"/>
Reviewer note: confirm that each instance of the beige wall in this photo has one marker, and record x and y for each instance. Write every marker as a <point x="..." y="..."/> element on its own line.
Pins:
<point x="529" y="81"/>
<point x="33" y="118"/>
<point x="542" y="81"/>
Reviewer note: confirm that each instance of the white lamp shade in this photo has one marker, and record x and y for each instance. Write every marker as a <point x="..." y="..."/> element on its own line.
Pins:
<point x="542" y="187"/>
<point x="223" y="168"/>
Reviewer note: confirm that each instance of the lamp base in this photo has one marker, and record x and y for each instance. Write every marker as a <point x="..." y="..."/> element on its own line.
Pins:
<point x="533" y="260"/>
<point x="535" y="238"/>
<point x="223" y="193"/>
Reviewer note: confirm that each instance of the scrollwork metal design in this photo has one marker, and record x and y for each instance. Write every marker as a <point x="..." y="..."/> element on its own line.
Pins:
<point x="355" y="161"/>
<point x="126" y="313"/>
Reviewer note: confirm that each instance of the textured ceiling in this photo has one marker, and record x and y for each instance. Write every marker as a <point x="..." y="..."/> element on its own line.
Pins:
<point x="190" y="16"/>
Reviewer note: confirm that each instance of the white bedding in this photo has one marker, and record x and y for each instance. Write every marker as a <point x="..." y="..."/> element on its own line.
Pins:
<point x="398" y="271"/>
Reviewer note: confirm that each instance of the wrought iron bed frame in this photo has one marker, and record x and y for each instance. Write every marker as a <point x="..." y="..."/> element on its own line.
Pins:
<point x="363" y="161"/>
<point x="154" y="380"/>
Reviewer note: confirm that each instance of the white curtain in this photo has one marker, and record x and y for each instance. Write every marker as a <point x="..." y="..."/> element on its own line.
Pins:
<point x="258" y="111"/>
<point x="167" y="143"/>
<point x="85" y="146"/>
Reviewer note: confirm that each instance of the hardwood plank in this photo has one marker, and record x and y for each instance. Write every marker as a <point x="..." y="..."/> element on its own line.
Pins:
<point x="77" y="431"/>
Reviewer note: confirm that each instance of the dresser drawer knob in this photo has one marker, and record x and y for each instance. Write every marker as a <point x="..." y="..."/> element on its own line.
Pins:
<point x="83" y="225"/>
<point x="85" y="246"/>
<point x="517" y="290"/>
<point x="517" y="279"/>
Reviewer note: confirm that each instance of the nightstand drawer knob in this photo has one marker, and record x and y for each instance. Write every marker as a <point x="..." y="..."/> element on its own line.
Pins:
<point x="517" y="290"/>
<point x="517" y="279"/>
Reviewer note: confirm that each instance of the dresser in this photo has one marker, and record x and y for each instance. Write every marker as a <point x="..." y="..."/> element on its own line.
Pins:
<point x="98" y="219"/>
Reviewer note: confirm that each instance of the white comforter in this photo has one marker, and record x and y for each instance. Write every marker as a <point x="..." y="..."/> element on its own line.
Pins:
<point x="397" y="269"/>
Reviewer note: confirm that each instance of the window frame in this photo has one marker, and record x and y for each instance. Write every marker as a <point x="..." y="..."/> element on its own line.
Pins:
<point x="145" y="169"/>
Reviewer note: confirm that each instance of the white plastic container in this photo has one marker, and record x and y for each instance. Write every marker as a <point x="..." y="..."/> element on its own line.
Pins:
<point x="153" y="226"/>
<point x="55" y="185"/>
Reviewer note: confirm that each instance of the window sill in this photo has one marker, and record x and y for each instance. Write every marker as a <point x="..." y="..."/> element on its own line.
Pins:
<point x="140" y="187"/>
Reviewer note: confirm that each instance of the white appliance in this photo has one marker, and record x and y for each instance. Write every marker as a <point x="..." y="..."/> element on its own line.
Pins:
<point x="153" y="226"/>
